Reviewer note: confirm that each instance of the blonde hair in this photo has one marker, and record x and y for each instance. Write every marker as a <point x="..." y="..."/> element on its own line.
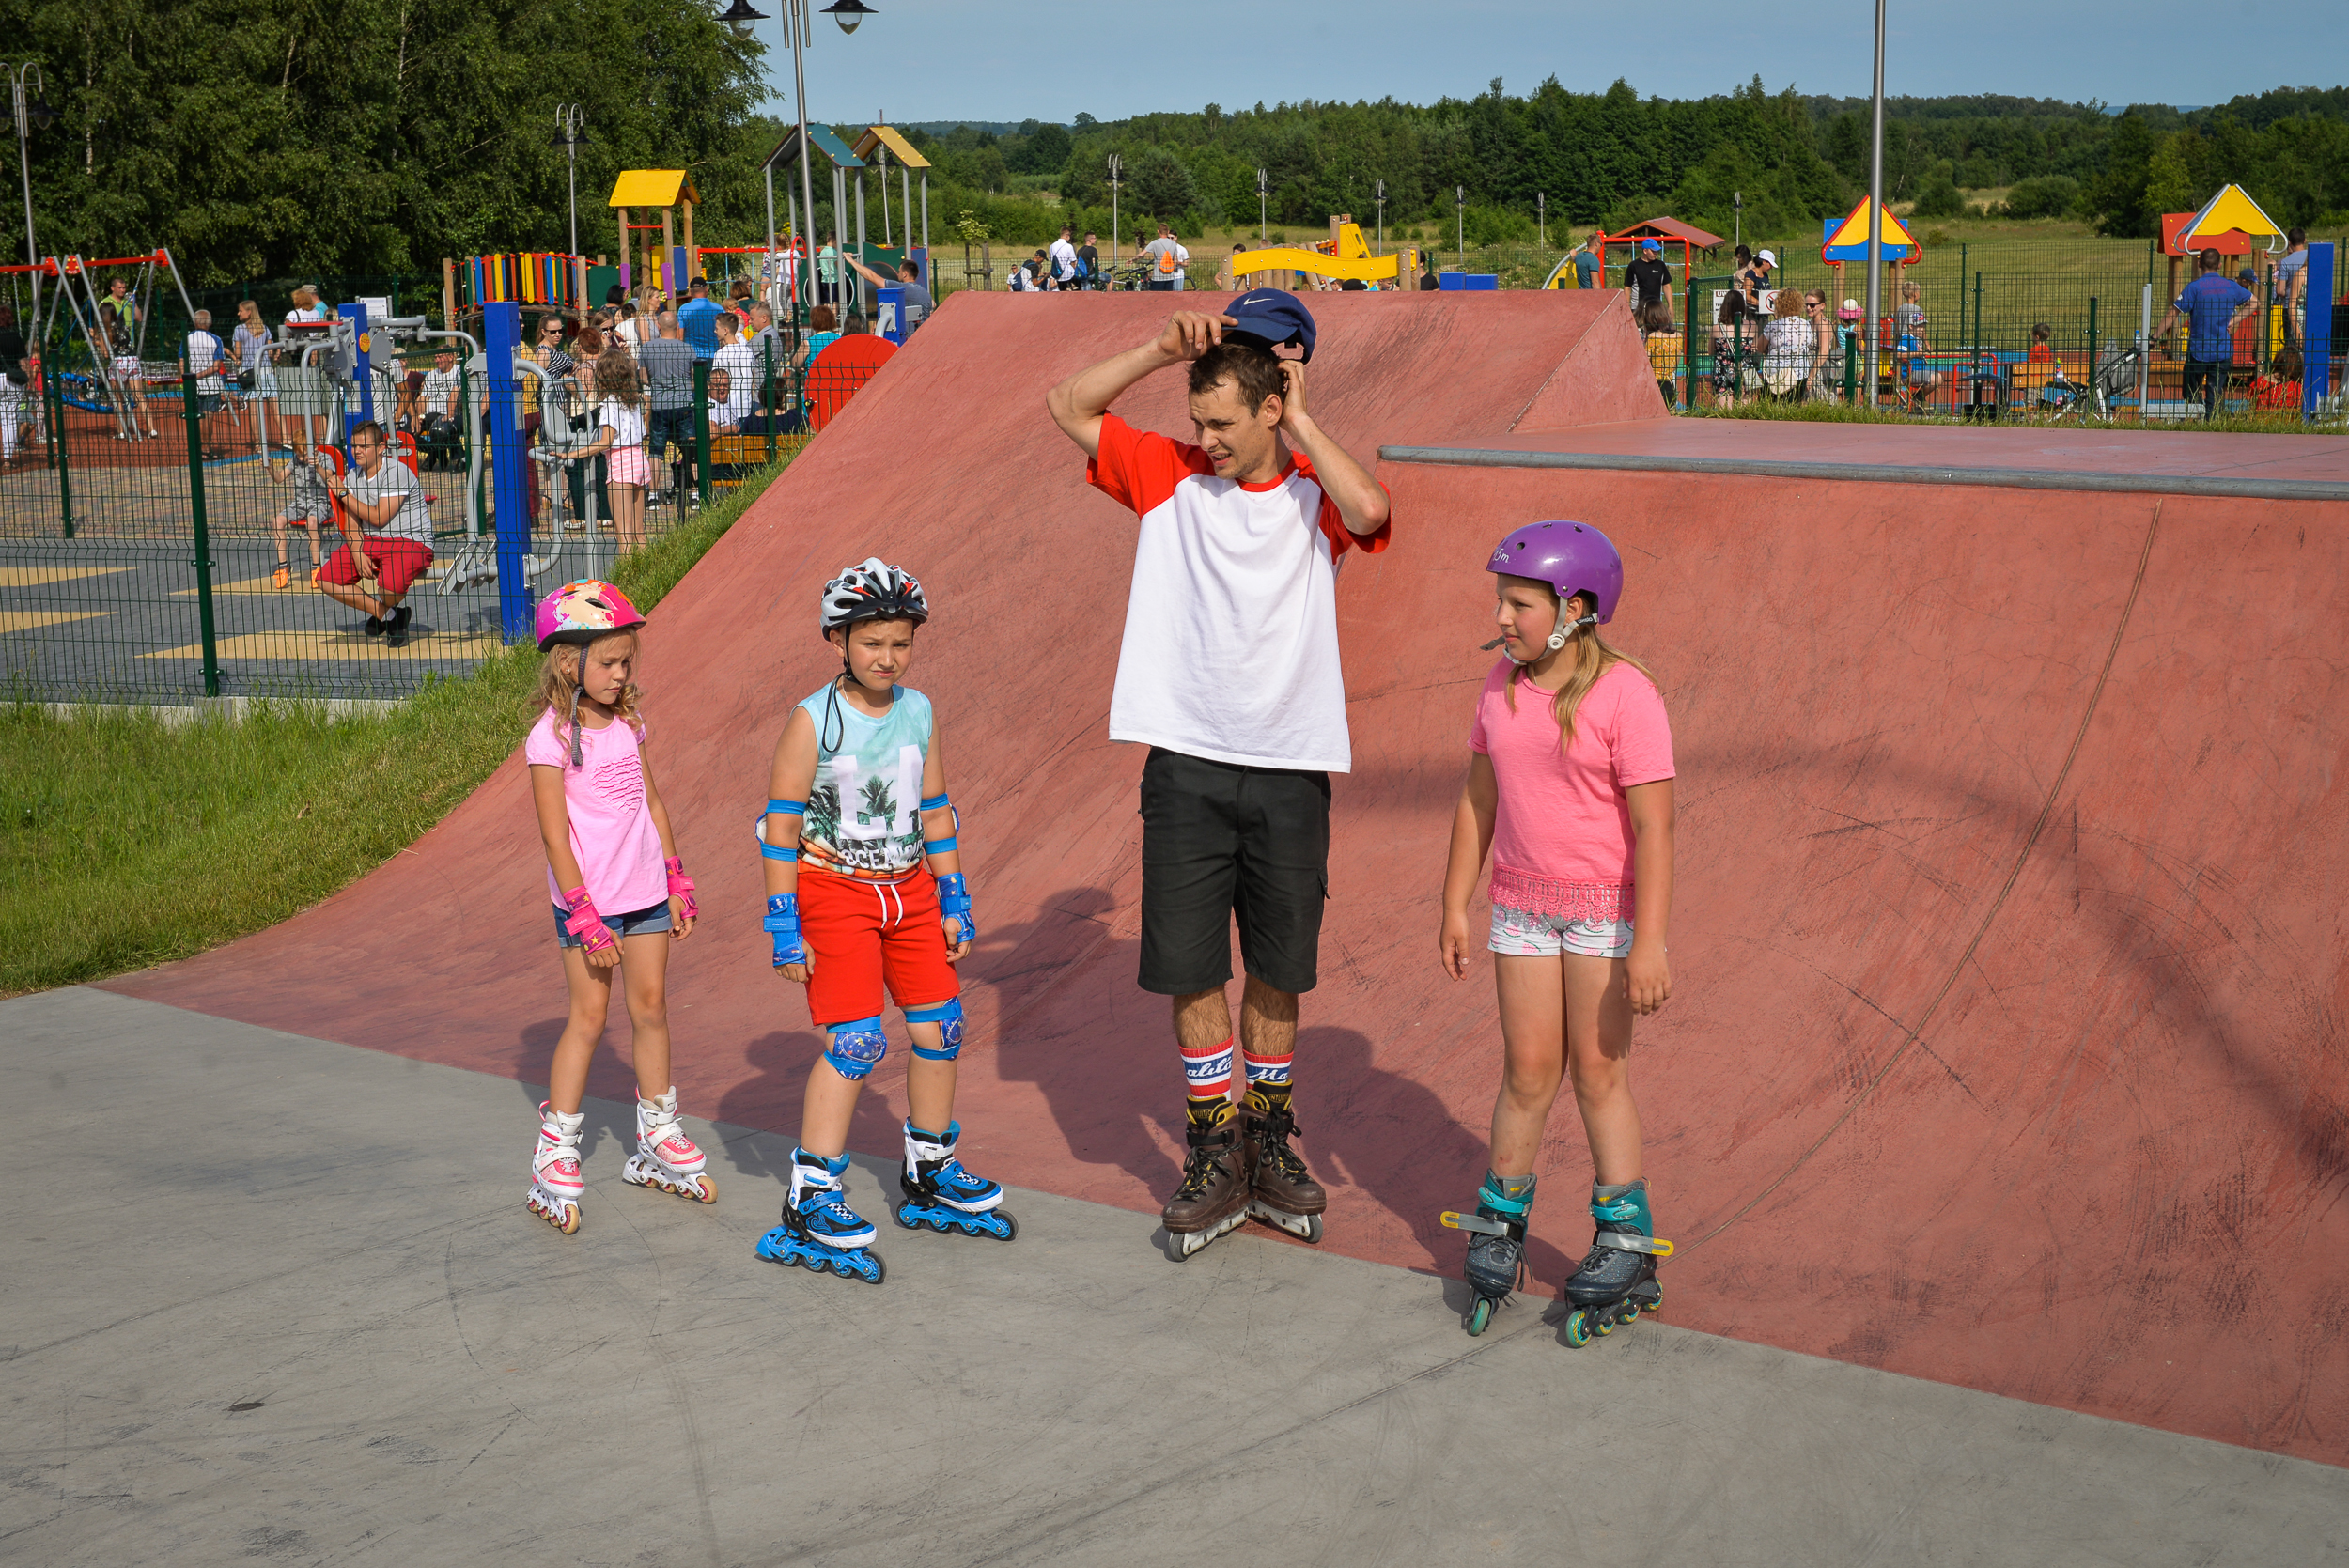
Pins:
<point x="1788" y="303"/>
<point x="1592" y="657"/>
<point x="558" y="689"/>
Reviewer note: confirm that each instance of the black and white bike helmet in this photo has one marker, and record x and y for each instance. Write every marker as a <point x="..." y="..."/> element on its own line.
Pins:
<point x="873" y="591"/>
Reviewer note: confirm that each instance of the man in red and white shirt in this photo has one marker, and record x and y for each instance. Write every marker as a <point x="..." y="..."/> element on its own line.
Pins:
<point x="1230" y="673"/>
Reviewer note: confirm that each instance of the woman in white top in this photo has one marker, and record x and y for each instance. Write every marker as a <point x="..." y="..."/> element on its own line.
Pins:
<point x="621" y="415"/>
<point x="255" y="381"/>
<point x="1793" y="347"/>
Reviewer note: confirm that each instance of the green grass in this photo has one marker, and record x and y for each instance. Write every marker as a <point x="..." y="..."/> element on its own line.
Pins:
<point x="126" y="841"/>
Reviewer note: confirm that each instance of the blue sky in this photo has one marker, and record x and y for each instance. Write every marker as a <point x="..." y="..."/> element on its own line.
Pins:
<point x="986" y="59"/>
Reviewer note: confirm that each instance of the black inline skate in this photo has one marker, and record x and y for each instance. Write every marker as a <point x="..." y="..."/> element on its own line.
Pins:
<point x="1617" y="1281"/>
<point x="1496" y="1249"/>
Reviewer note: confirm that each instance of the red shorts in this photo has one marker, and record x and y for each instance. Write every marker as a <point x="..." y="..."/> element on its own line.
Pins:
<point x="864" y="934"/>
<point x="398" y="564"/>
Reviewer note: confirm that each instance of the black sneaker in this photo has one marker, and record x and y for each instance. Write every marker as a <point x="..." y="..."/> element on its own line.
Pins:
<point x="395" y="629"/>
<point x="375" y="628"/>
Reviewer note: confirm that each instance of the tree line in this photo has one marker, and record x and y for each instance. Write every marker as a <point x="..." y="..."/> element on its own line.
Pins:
<point x="293" y="138"/>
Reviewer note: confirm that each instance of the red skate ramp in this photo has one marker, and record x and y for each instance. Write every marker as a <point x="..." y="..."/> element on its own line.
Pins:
<point x="2006" y="1046"/>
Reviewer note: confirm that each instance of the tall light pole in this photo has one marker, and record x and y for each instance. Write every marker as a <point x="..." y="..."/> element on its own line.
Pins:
<point x="741" y="18"/>
<point x="568" y="120"/>
<point x="1378" y="193"/>
<point x="1459" y="223"/>
<point x="1117" y="168"/>
<point x="1263" y="188"/>
<point x="1876" y="211"/>
<point x="33" y="116"/>
<point x="1541" y="218"/>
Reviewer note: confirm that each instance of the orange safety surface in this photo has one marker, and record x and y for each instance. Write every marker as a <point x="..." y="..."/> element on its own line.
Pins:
<point x="2006" y="1046"/>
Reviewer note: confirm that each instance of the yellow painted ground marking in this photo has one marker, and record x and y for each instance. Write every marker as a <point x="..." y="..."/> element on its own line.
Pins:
<point x="35" y="576"/>
<point x="316" y="644"/>
<point x="29" y="620"/>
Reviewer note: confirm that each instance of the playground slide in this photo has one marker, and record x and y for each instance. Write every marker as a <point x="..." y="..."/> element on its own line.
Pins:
<point x="2005" y="1045"/>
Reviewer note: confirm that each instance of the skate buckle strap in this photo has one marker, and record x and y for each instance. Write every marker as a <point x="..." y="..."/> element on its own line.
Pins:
<point x="1494" y="1198"/>
<point x="1454" y="1220"/>
<point x="1632" y="1242"/>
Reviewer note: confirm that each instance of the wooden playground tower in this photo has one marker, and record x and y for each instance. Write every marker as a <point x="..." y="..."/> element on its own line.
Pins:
<point x="639" y="190"/>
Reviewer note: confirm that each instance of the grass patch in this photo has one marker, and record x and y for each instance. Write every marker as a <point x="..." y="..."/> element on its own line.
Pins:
<point x="126" y="841"/>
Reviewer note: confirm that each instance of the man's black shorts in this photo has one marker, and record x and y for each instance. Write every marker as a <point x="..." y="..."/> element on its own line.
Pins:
<point x="1218" y="841"/>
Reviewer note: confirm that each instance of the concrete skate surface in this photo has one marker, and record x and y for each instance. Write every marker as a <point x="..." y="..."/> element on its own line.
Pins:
<point x="271" y="1298"/>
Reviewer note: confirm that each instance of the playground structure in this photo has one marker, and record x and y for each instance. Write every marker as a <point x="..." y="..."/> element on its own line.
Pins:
<point x="1667" y="232"/>
<point x="638" y="192"/>
<point x="1344" y="255"/>
<point x="876" y="147"/>
<point x="115" y="383"/>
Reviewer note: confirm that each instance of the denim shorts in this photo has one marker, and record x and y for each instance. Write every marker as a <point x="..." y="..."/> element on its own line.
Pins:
<point x="649" y="922"/>
<point x="1523" y="935"/>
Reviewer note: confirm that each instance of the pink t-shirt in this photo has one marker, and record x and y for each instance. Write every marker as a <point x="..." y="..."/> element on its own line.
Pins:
<point x="617" y="847"/>
<point x="1561" y="832"/>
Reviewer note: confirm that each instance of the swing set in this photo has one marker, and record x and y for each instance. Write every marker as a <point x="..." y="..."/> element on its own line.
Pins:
<point x="116" y="382"/>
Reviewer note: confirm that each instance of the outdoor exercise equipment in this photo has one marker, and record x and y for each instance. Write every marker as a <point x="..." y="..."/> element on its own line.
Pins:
<point x="1344" y="254"/>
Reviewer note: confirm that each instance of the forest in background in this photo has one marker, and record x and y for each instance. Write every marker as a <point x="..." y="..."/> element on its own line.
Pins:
<point x="272" y="141"/>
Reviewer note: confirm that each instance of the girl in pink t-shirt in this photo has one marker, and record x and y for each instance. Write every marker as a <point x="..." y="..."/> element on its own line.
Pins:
<point x="620" y="893"/>
<point x="1570" y="788"/>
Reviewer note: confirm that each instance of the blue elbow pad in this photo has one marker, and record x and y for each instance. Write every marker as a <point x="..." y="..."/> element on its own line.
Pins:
<point x="934" y="803"/>
<point x="758" y="829"/>
<point x="782" y="924"/>
<point x="939" y="846"/>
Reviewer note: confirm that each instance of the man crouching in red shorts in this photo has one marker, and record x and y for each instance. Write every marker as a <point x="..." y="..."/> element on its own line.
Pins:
<point x="384" y="505"/>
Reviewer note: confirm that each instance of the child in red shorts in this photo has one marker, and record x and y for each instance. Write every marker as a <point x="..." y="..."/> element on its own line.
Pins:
<point x="857" y="806"/>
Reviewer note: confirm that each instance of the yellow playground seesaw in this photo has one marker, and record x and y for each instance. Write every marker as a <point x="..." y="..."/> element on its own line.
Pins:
<point x="1352" y="258"/>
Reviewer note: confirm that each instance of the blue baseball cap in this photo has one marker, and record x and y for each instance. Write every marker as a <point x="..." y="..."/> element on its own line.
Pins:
<point x="1270" y="318"/>
<point x="1650" y="245"/>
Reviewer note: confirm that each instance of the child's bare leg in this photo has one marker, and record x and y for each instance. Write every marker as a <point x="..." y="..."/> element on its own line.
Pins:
<point x="591" y="999"/>
<point x="929" y="1083"/>
<point x="645" y="972"/>
<point x="831" y="1102"/>
<point x="1598" y="1056"/>
<point x="1533" y="995"/>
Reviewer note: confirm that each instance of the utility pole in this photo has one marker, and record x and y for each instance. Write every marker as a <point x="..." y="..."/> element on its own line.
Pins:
<point x="1263" y="190"/>
<point x="568" y="120"/>
<point x="1541" y="218"/>
<point x="33" y="116"/>
<point x="1737" y="202"/>
<point x="1875" y="211"/>
<point x="1459" y="223"/>
<point x="1379" y="189"/>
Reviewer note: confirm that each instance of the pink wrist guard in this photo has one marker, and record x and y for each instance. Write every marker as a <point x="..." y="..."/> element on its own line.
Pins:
<point x="586" y="924"/>
<point x="681" y="888"/>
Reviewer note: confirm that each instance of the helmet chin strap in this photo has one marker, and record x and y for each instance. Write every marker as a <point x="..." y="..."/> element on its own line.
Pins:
<point x="1558" y="639"/>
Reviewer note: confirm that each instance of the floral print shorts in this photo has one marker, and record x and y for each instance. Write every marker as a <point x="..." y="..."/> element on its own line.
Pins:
<point x="1522" y="934"/>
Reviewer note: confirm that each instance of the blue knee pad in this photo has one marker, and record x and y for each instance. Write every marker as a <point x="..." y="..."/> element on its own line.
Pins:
<point x="857" y="1049"/>
<point x="948" y="1017"/>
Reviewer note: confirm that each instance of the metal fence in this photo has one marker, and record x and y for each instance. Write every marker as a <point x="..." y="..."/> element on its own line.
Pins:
<point x="168" y="537"/>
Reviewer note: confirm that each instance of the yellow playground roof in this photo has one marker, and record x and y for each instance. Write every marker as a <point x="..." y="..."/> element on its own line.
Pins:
<point x="2231" y="209"/>
<point x="899" y="148"/>
<point x="652" y="188"/>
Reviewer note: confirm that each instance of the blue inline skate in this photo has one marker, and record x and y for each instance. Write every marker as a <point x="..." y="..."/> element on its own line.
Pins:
<point x="940" y="1194"/>
<point x="1496" y="1249"/>
<point x="1617" y="1281"/>
<point x="819" y="1231"/>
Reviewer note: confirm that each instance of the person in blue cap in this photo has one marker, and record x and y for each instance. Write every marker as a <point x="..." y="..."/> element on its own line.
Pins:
<point x="1649" y="280"/>
<point x="1229" y="673"/>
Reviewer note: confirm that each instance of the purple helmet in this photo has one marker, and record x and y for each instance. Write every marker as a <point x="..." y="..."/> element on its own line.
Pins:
<point x="1571" y="557"/>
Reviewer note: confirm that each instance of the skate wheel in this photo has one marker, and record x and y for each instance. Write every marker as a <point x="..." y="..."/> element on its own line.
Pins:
<point x="899" y="1214"/>
<point x="1577" y="1328"/>
<point x="1654" y="1304"/>
<point x="1011" y="1226"/>
<point x="568" y="1224"/>
<point x="1480" y="1315"/>
<point x="1602" y="1325"/>
<point x="1629" y="1313"/>
<point x="709" y="1193"/>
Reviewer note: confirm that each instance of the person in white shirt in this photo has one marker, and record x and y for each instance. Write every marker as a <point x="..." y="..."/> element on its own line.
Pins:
<point x="1230" y="673"/>
<point x="1064" y="254"/>
<point x="204" y="358"/>
<point x="737" y="359"/>
<point x="436" y="410"/>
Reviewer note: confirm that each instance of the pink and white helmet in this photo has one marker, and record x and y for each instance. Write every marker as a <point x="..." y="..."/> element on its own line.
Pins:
<point x="583" y="611"/>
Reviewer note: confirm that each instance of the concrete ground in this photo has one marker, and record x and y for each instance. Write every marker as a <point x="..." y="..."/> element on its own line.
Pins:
<point x="271" y="1298"/>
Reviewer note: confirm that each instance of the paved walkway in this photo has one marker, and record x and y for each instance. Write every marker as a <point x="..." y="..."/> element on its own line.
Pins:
<point x="278" y="1300"/>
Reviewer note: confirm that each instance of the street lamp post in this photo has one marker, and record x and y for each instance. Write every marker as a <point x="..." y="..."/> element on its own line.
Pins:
<point x="1117" y="168"/>
<point x="33" y="116"/>
<point x="1738" y="207"/>
<point x="1459" y="223"/>
<point x="740" y="17"/>
<point x="1541" y="218"/>
<point x="568" y="120"/>
<point x="1263" y="188"/>
<point x="1876" y="211"/>
<point x="1378" y="193"/>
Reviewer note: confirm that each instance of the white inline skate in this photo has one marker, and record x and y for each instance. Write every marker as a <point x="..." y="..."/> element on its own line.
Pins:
<point x="664" y="1157"/>
<point x="555" y="1182"/>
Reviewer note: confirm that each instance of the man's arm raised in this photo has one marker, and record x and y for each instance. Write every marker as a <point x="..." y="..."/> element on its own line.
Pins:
<point x="1078" y="403"/>
<point x="1361" y="500"/>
